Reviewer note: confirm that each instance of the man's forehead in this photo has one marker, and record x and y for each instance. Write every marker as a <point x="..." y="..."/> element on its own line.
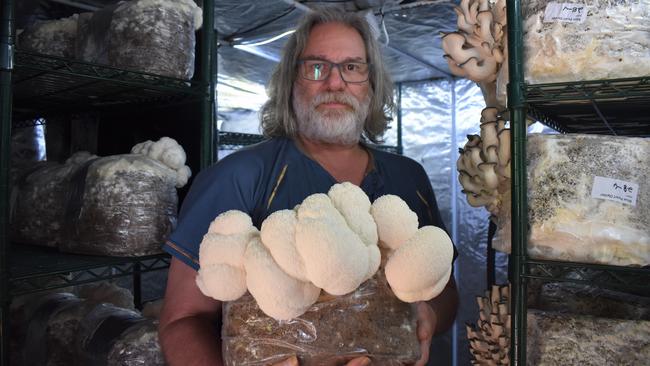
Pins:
<point x="336" y="42"/>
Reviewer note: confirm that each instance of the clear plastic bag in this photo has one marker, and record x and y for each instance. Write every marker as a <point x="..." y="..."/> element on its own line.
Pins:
<point x="53" y="323"/>
<point x="567" y="339"/>
<point x="51" y="37"/>
<point x="100" y="330"/>
<point x="137" y="345"/>
<point x="370" y="321"/>
<point x="154" y="36"/>
<point x="588" y="199"/>
<point x="586" y="40"/>
<point x="92" y="35"/>
<point x="121" y="205"/>
<point x="38" y="204"/>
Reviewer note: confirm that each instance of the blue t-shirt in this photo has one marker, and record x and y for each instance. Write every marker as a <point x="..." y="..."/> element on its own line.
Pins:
<point x="275" y="175"/>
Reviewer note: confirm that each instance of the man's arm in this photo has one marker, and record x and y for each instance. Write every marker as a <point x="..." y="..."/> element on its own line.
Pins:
<point x="188" y="335"/>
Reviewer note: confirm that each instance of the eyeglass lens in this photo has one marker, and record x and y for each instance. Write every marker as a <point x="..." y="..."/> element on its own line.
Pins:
<point x="318" y="70"/>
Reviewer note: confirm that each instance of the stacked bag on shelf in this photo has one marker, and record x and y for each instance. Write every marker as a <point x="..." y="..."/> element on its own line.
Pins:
<point x="588" y="200"/>
<point x="567" y="324"/>
<point x="586" y="40"/>
<point x="96" y="326"/>
<point x="120" y="205"/>
<point x="153" y="36"/>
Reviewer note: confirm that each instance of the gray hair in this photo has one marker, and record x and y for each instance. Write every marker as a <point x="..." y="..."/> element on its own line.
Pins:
<point x="277" y="114"/>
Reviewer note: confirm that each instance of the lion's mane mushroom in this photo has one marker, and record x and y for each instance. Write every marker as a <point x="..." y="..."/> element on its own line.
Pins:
<point x="335" y="257"/>
<point x="329" y="242"/>
<point x="484" y="163"/>
<point x="279" y="295"/>
<point x="419" y="260"/>
<point x="221" y="256"/>
<point x="476" y="50"/>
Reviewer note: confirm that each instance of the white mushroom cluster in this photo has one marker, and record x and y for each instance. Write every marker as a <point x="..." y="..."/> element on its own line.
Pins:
<point x="419" y="261"/>
<point x="169" y="152"/>
<point x="484" y="163"/>
<point x="330" y="242"/>
<point x="477" y="50"/>
<point x="489" y="340"/>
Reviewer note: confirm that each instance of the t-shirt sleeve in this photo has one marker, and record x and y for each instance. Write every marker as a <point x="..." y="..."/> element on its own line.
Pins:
<point x="231" y="184"/>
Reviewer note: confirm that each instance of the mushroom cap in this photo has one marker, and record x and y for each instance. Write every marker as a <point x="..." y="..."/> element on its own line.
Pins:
<point x="319" y="206"/>
<point x="231" y="222"/>
<point x="396" y="223"/>
<point x="353" y="203"/>
<point x="278" y="236"/>
<point x="224" y="249"/>
<point x="422" y="265"/>
<point x="278" y="295"/>
<point x="425" y="293"/>
<point x="222" y="282"/>
<point x="335" y="258"/>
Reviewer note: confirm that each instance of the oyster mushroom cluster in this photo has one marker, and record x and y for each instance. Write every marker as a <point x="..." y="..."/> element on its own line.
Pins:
<point x="477" y="50"/>
<point x="489" y="340"/>
<point x="484" y="163"/>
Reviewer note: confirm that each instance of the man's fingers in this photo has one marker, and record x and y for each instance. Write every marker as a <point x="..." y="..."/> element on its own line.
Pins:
<point x="424" y="349"/>
<point x="359" y="361"/>
<point x="425" y="318"/>
<point x="291" y="361"/>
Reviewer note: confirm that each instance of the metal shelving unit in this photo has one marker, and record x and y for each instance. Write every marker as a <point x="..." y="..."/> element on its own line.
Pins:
<point x="35" y="269"/>
<point x="32" y="85"/>
<point x="46" y="84"/>
<point x="599" y="107"/>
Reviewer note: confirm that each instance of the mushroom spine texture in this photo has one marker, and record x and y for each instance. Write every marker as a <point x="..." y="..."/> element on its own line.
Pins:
<point x="484" y="163"/>
<point x="330" y="242"/>
<point x="169" y="152"/>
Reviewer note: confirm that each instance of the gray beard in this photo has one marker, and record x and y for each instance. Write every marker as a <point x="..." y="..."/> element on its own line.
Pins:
<point x="342" y="127"/>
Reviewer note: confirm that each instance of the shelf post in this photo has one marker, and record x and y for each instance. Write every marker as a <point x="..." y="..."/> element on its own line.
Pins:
<point x="7" y="43"/>
<point x="516" y="105"/>
<point x="208" y="81"/>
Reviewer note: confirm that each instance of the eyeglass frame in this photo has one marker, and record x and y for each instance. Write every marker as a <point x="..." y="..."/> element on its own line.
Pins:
<point x="332" y="66"/>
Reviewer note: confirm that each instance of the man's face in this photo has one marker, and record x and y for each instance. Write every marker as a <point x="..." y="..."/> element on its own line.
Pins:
<point x="332" y="110"/>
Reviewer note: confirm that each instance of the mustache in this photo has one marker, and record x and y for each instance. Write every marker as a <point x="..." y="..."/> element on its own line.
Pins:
<point x="340" y="97"/>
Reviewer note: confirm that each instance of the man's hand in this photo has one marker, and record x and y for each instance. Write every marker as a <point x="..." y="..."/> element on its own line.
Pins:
<point x="426" y="324"/>
<point x="293" y="361"/>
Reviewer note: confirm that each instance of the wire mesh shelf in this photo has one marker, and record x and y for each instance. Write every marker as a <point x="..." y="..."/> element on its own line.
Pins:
<point x="611" y="107"/>
<point x="35" y="268"/>
<point x="621" y="278"/>
<point x="46" y="83"/>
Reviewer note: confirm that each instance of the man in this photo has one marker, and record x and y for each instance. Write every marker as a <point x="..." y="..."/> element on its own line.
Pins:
<point x="328" y="91"/>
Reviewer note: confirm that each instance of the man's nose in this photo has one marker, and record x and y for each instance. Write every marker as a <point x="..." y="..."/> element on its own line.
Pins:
<point x="335" y="79"/>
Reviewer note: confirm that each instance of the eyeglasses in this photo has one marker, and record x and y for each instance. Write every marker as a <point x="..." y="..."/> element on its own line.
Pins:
<point x="319" y="70"/>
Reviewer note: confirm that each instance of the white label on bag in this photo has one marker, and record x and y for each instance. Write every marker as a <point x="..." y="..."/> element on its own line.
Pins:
<point x="565" y="12"/>
<point x="615" y="190"/>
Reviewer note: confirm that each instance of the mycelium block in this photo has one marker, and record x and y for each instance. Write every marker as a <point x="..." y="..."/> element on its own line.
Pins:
<point x="586" y="40"/>
<point x="567" y="339"/>
<point x="589" y="198"/>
